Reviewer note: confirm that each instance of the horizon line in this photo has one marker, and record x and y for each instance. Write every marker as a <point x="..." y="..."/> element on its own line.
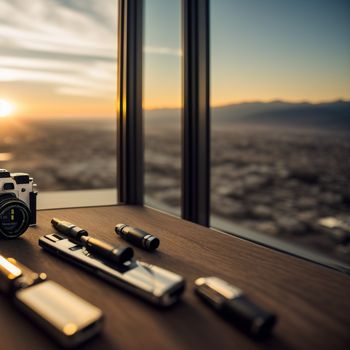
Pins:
<point x="165" y="108"/>
<point x="276" y="100"/>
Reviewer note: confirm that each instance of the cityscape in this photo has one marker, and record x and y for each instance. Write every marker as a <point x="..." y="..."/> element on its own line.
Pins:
<point x="271" y="174"/>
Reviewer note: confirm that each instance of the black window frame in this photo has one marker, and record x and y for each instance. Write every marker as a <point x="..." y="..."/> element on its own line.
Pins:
<point x="195" y="201"/>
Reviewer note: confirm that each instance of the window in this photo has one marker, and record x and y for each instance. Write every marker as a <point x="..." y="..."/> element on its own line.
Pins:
<point x="162" y="103"/>
<point x="57" y="97"/>
<point x="279" y="111"/>
<point x="281" y="122"/>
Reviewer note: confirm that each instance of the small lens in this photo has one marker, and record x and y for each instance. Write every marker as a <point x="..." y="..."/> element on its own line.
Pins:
<point x="14" y="218"/>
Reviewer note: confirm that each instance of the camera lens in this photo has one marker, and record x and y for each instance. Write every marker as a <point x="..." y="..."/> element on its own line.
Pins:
<point x="14" y="217"/>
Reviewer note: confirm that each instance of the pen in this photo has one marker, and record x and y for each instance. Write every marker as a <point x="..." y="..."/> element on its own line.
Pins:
<point x="95" y="246"/>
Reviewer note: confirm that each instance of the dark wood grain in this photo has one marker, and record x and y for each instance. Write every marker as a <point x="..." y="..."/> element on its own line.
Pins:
<point x="312" y="302"/>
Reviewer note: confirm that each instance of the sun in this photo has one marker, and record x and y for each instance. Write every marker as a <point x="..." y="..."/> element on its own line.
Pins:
<point x="6" y="108"/>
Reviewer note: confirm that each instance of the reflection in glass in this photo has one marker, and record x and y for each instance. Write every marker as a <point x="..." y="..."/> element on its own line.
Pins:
<point x="162" y="103"/>
<point x="280" y="99"/>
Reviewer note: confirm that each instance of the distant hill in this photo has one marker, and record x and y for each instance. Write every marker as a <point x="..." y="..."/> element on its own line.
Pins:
<point x="335" y="114"/>
<point x="323" y="115"/>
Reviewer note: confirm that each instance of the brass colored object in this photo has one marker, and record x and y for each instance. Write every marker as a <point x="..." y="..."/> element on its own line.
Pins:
<point x="65" y="316"/>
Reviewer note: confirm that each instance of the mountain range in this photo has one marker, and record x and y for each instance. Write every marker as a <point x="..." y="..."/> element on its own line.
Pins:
<point x="334" y="114"/>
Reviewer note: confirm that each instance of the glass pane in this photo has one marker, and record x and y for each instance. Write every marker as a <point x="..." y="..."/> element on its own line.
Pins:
<point x="162" y="104"/>
<point x="280" y="100"/>
<point x="57" y="92"/>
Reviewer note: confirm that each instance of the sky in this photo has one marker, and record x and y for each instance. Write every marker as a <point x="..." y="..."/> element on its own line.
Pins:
<point x="58" y="57"/>
<point x="291" y="49"/>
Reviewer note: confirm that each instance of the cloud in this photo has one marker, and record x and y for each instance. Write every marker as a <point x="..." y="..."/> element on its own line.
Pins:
<point x="67" y="44"/>
<point x="41" y="23"/>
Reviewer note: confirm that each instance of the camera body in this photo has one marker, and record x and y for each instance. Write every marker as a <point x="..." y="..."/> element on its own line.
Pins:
<point x="17" y="203"/>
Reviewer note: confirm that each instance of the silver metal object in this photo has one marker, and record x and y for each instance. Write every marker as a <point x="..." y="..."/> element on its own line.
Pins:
<point x="155" y="284"/>
<point x="62" y="314"/>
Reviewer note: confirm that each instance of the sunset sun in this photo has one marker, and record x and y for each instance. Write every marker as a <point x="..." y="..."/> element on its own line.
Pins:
<point x="6" y="108"/>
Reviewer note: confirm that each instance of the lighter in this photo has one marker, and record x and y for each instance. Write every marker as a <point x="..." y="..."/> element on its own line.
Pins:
<point x="65" y="316"/>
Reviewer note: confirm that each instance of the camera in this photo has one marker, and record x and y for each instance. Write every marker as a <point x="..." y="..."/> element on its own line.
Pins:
<point x="17" y="203"/>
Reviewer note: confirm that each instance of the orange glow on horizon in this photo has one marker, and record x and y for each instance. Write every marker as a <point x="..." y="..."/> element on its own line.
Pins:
<point x="41" y="101"/>
<point x="6" y="108"/>
<point x="100" y="108"/>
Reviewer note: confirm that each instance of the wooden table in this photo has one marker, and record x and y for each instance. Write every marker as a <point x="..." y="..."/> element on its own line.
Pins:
<point x="312" y="302"/>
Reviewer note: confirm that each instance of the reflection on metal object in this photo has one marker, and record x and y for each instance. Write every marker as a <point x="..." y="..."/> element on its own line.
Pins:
<point x="8" y="267"/>
<point x="70" y="329"/>
<point x="221" y="287"/>
<point x="64" y="315"/>
<point x="8" y="273"/>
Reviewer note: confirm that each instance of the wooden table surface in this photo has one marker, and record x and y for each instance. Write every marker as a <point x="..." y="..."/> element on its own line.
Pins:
<point x="312" y="302"/>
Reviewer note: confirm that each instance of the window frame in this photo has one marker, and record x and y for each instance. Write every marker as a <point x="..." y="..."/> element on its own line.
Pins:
<point x="195" y="202"/>
<point x="130" y="159"/>
<point x="196" y="112"/>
